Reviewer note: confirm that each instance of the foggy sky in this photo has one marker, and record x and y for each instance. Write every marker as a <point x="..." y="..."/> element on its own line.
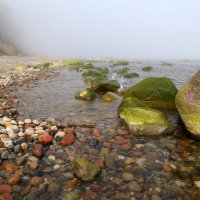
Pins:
<point x="104" y="28"/>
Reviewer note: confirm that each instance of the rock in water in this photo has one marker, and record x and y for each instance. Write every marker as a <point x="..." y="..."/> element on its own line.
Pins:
<point x="86" y="94"/>
<point x="188" y="104"/>
<point x="84" y="169"/>
<point x="102" y="86"/>
<point x="145" y="121"/>
<point x="156" y="92"/>
<point x="110" y="96"/>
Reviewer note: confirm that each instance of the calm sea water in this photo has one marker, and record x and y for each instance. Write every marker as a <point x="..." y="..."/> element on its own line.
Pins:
<point x="55" y="97"/>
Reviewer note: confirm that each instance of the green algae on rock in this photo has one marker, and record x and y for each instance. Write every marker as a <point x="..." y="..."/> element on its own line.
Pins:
<point x="86" y="94"/>
<point x="188" y="104"/>
<point x="156" y="92"/>
<point x="119" y="62"/>
<point x="145" y="121"/>
<point x="110" y="96"/>
<point x="102" y="86"/>
<point x="147" y="68"/>
<point x="84" y="169"/>
<point x="130" y="102"/>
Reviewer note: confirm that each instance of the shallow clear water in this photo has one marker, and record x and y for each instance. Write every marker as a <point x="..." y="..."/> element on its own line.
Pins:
<point x="55" y="97"/>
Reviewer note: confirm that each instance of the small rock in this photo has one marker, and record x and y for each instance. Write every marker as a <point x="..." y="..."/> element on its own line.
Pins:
<point x="110" y="161"/>
<point x="8" y="144"/>
<point x="127" y="176"/>
<point x="167" y="167"/>
<point x="96" y="132"/>
<point x="9" y="167"/>
<point x="67" y="139"/>
<point x="24" y="146"/>
<point x="36" y="180"/>
<point x="84" y="169"/>
<point x="14" y="179"/>
<point x="197" y="184"/>
<point x="47" y="139"/>
<point x="27" y="121"/>
<point x="129" y="161"/>
<point x="134" y="186"/>
<point x="29" y="131"/>
<point x="5" y="188"/>
<point x="38" y="150"/>
<point x="126" y="147"/>
<point x="36" y="122"/>
<point x="6" y="196"/>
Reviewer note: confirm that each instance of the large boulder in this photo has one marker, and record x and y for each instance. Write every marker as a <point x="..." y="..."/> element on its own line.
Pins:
<point x="145" y="121"/>
<point x="86" y="94"/>
<point x="84" y="169"/>
<point x="188" y="104"/>
<point x="156" y="92"/>
<point x="128" y="102"/>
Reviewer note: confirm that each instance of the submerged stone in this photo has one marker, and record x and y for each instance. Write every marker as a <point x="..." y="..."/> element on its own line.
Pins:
<point x="84" y="169"/>
<point x="188" y="104"/>
<point x="86" y="94"/>
<point x="156" y="92"/>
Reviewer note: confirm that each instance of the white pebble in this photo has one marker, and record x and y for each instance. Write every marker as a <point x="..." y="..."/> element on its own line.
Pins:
<point x="6" y="119"/>
<point x="120" y="157"/>
<point x="29" y="131"/>
<point x="60" y="134"/>
<point x="27" y="121"/>
<point x="24" y="146"/>
<point x="56" y="167"/>
<point x="20" y="123"/>
<point x="21" y="134"/>
<point x="8" y="144"/>
<point x="3" y="131"/>
<point x="36" y="122"/>
<point x="54" y="128"/>
<point x="197" y="184"/>
<point x="13" y="122"/>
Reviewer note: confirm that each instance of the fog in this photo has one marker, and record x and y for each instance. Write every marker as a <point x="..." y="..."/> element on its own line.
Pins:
<point x="106" y="28"/>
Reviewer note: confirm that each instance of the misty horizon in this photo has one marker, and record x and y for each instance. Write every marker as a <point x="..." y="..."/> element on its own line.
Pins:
<point x="119" y="29"/>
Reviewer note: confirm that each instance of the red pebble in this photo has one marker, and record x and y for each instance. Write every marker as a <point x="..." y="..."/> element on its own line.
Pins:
<point x="47" y="139"/>
<point x="38" y="150"/>
<point x="67" y="139"/>
<point x="5" y="188"/>
<point x="6" y="196"/>
<point x="96" y="132"/>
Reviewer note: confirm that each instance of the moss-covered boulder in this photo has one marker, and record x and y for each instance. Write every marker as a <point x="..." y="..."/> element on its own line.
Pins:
<point x="110" y="96"/>
<point x="147" y="68"/>
<point x="119" y="62"/>
<point x="188" y="104"/>
<point x="128" y="102"/>
<point x="87" y="65"/>
<point x="131" y="75"/>
<point x="156" y="92"/>
<point x="86" y="94"/>
<point x="84" y="169"/>
<point x="95" y="73"/>
<point x="101" y="86"/>
<point x="145" y="121"/>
